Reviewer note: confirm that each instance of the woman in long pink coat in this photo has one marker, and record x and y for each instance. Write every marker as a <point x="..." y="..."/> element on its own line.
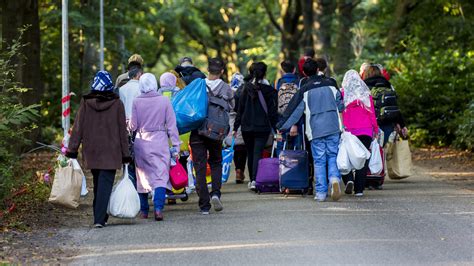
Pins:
<point x="154" y="121"/>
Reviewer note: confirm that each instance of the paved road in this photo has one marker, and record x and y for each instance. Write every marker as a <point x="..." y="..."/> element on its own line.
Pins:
<point x="420" y="220"/>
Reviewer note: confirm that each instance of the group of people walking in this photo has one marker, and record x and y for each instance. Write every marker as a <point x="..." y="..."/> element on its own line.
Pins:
<point x="134" y="123"/>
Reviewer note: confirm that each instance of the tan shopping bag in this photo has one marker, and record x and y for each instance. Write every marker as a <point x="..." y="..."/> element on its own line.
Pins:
<point x="399" y="162"/>
<point x="67" y="185"/>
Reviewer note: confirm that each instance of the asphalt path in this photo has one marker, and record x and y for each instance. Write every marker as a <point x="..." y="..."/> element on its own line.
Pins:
<point x="419" y="220"/>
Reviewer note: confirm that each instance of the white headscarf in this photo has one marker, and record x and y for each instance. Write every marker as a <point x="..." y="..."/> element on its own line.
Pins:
<point x="355" y="89"/>
<point x="148" y="83"/>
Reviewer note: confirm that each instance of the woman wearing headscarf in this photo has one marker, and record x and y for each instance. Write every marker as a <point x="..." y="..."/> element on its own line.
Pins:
<point x="154" y="121"/>
<point x="359" y="119"/>
<point x="168" y="86"/>
<point x="240" y="152"/>
<point x="101" y="129"/>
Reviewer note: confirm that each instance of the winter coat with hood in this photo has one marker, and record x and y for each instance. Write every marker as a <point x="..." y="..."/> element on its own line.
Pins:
<point x="250" y="114"/>
<point x="101" y="128"/>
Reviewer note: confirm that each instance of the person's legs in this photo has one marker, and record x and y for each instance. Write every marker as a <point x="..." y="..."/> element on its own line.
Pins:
<point x="387" y="130"/>
<point x="332" y="146"/>
<point x="260" y="142"/>
<point x="318" y="148"/>
<point x="361" y="175"/>
<point x="215" y="162"/>
<point x="199" y="153"/>
<point x="104" y="189"/>
<point x="240" y="157"/>
<point x="144" y="206"/>
<point x="159" y="198"/>
<point x="249" y="141"/>
<point x="95" y="181"/>
<point x="132" y="174"/>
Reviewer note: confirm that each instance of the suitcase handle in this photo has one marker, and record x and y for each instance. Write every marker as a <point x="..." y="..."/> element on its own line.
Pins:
<point x="303" y="141"/>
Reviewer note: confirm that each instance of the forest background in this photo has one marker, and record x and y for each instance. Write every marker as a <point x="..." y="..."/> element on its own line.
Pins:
<point x="426" y="45"/>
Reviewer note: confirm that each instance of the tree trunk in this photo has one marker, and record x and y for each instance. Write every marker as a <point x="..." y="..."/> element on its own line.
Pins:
<point x="324" y="15"/>
<point x="17" y="14"/>
<point x="308" y="22"/>
<point x="343" y="53"/>
<point x="290" y="30"/>
<point x="291" y="35"/>
<point x="403" y="8"/>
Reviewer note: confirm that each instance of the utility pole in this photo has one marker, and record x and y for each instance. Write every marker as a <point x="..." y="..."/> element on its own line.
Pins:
<point x="66" y="110"/>
<point x="101" y="35"/>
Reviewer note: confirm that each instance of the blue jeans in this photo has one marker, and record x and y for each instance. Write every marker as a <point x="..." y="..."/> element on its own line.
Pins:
<point x="158" y="200"/>
<point x="324" y="152"/>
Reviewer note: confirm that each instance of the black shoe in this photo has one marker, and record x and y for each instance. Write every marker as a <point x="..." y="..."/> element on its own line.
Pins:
<point x="349" y="187"/>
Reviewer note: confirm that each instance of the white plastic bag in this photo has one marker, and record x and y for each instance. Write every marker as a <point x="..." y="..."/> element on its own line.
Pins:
<point x="375" y="163"/>
<point x="343" y="162"/>
<point x="356" y="151"/>
<point x="124" y="200"/>
<point x="77" y="167"/>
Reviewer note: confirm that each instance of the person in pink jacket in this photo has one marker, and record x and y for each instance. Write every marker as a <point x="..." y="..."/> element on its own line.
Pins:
<point x="154" y="121"/>
<point x="359" y="119"/>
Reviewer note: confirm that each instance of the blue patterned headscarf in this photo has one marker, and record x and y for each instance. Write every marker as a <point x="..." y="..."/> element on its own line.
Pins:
<point x="102" y="82"/>
<point x="236" y="81"/>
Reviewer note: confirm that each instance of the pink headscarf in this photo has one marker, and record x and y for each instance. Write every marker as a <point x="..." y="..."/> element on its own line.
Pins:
<point x="167" y="79"/>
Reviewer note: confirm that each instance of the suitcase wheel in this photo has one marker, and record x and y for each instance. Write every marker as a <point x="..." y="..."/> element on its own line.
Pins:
<point x="185" y="198"/>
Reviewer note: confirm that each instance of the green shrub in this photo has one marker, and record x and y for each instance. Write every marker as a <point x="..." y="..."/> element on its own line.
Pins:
<point x="15" y="118"/>
<point x="465" y="130"/>
<point x="434" y="89"/>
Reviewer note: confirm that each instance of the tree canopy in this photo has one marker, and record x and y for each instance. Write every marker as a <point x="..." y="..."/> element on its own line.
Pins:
<point x="427" y="46"/>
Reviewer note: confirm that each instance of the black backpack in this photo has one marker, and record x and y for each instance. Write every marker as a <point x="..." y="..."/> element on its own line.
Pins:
<point x="216" y="125"/>
<point x="385" y="103"/>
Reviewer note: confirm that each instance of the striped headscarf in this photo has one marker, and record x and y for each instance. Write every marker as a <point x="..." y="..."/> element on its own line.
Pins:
<point x="102" y="82"/>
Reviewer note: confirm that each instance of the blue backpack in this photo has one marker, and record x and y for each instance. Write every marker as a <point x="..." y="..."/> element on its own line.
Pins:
<point x="190" y="106"/>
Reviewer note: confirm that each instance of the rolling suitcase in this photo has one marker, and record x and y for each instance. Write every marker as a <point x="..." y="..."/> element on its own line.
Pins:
<point x="293" y="171"/>
<point x="267" y="179"/>
<point x="376" y="180"/>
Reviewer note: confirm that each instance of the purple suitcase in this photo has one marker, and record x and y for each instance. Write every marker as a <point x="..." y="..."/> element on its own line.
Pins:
<point x="267" y="179"/>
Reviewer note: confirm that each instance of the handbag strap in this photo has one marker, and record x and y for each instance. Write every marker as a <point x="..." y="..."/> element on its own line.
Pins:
<point x="262" y="102"/>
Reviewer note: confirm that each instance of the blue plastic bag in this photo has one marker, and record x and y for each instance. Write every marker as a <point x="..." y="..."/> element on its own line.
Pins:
<point x="190" y="106"/>
<point x="227" y="157"/>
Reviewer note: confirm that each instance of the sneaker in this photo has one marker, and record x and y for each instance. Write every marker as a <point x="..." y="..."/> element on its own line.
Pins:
<point x="216" y="202"/>
<point x="320" y="199"/>
<point x="359" y="194"/>
<point x="251" y="185"/>
<point x="335" y="190"/>
<point x="349" y="187"/>
<point x="98" y="226"/>
<point x="203" y="212"/>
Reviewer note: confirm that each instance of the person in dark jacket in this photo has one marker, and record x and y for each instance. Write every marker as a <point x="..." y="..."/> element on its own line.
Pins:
<point x="206" y="150"/>
<point x="255" y="122"/>
<point x="101" y="129"/>
<point x="187" y="71"/>
<point x="373" y="77"/>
